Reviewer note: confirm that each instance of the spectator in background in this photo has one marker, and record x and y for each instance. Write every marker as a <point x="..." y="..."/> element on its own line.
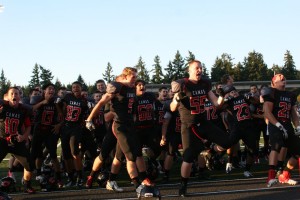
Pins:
<point x="101" y="86"/>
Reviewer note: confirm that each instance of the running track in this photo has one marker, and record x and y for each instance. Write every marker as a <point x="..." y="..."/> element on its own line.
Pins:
<point x="237" y="189"/>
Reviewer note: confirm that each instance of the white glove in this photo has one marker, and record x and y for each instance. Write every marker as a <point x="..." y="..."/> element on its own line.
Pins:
<point x="283" y="130"/>
<point x="90" y="105"/>
<point x="89" y="125"/>
<point x="297" y="131"/>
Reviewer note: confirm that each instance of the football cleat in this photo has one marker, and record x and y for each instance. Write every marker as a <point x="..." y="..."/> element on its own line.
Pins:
<point x="285" y="177"/>
<point x="113" y="186"/>
<point x="228" y="168"/>
<point x="248" y="174"/>
<point x="89" y="182"/>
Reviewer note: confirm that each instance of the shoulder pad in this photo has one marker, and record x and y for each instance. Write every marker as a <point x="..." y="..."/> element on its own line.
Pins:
<point x="267" y="94"/>
<point x="177" y="85"/>
<point x="35" y="99"/>
<point x="266" y="91"/>
<point x="228" y="88"/>
<point x="113" y="88"/>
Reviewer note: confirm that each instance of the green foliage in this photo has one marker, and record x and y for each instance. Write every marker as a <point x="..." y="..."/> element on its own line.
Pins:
<point x="81" y="80"/>
<point x="158" y="75"/>
<point x="57" y="84"/>
<point x="4" y="84"/>
<point x="40" y="76"/>
<point x="178" y="66"/>
<point x="45" y="76"/>
<point x="255" y="67"/>
<point x="108" y="76"/>
<point x="142" y="72"/>
<point x="169" y="76"/>
<point x="35" y="78"/>
<point x="188" y="59"/>
<point x="289" y="68"/>
<point x="238" y="72"/>
<point x="222" y="66"/>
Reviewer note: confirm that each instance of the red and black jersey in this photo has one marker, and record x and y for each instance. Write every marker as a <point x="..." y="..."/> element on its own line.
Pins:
<point x="283" y="101"/>
<point x="143" y="108"/>
<point x="122" y="101"/>
<point x="12" y="120"/>
<point x="99" y="119"/>
<point x="212" y="113"/>
<point x="159" y="112"/>
<point x="76" y="109"/>
<point x="240" y="109"/>
<point x="191" y="107"/>
<point x="47" y="115"/>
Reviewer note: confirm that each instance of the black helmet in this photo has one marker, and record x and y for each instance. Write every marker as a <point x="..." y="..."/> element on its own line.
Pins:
<point x="149" y="192"/>
<point x="8" y="184"/>
<point x="228" y="88"/>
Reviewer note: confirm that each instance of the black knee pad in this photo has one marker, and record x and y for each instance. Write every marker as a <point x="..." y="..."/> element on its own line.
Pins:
<point x="189" y="155"/>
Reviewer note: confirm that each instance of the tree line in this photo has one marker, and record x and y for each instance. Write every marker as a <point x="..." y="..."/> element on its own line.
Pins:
<point x="252" y="68"/>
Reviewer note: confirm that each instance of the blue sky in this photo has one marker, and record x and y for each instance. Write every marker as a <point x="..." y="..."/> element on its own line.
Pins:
<point x="81" y="37"/>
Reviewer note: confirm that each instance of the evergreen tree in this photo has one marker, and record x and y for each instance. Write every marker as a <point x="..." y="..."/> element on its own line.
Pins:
<point x="255" y="67"/>
<point x="204" y="71"/>
<point x="289" y="69"/>
<point x="57" y="84"/>
<point x="4" y="84"/>
<point x="142" y="72"/>
<point x="157" y="71"/>
<point x="45" y="76"/>
<point x="188" y="59"/>
<point x="276" y="69"/>
<point x="170" y="73"/>
<point x="35" y="78"/>
<point x="238" y="72"/>
<point x="108" y="76"/>
<point x="178" y="66"/>
<point x="222" y="66"/>
<point x="81" y="80"/>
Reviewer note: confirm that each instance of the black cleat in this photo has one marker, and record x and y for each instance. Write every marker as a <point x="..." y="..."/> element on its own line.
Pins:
<point x="182" y="191"/>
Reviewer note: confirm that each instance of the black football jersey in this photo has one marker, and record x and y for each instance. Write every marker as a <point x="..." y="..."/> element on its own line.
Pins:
<point x="143" y="108"/>
<point x="213" y="114"/>
<point x="283" y="101"/>
<point x="47" y="115"/>
<point x="122" y="101"/>
<point x="76" y="109"/>
<point x="12" y="119"/>
<point x="192" y="105"/>
<point x="240" y="109"/>
<point x="159" y="112"/>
